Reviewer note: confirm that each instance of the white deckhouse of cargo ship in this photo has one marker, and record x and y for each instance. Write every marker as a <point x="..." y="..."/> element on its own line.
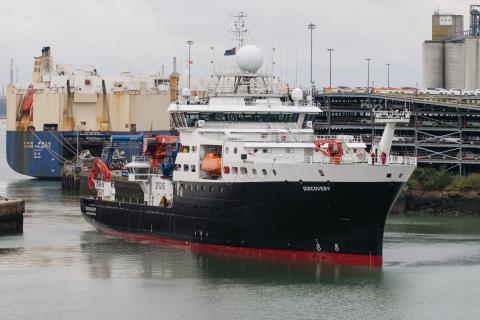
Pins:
<point x="44" y="116"/>
<point x="251" y="177"/>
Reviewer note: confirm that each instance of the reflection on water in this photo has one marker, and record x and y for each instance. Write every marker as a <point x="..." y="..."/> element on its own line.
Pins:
<point x="432" y="271"/>
<point x="105" y="253"/>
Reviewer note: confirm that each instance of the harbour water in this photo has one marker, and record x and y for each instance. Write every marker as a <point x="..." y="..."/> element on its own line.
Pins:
<point x="61" y="268"/>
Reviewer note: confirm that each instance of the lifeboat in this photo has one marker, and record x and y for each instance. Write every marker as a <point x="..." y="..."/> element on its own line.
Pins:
<point x="28" y="100"/>
<point x="212" y="164"/>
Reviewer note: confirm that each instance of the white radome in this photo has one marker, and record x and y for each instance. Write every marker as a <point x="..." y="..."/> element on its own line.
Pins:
<point x="185" y="92"/>
<point x="250" y="58"/>
<point x="297" y="94"/>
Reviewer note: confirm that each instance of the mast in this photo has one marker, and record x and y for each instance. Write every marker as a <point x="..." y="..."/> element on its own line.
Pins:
<point x="239" y="30"/>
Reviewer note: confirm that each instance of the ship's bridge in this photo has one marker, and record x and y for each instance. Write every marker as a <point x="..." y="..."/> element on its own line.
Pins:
<point x="198" y="115"/>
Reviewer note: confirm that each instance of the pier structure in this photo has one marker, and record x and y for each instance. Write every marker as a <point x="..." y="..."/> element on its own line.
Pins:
<point x="11" y="215"/>
<point x="443" y="131"/>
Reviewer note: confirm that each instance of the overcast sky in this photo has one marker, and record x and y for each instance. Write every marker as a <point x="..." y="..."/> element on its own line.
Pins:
<point x="144" y="34"/>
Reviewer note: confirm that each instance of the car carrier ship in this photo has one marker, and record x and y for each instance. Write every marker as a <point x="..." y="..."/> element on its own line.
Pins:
<point x="248" y="176"/>
<point x="63" y="112"/>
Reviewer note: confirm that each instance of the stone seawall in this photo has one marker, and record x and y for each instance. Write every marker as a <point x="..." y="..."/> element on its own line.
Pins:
<point x="437" y="203"/>
<point x="11" y="215"/>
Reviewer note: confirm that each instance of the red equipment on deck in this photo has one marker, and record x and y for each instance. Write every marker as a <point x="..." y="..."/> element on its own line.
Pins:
<point x="28" y="100"/>
<point x="158" y="148"/>
<point x="333" y="149"/>
<point x="98" y="167"/>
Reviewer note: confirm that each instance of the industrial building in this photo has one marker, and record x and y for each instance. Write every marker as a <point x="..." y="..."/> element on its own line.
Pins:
<point x="451" y="59"/>
<point x="444" y="132"/>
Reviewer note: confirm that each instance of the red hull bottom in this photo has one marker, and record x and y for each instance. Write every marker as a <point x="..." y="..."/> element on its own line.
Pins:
<point x="257" y="253"/>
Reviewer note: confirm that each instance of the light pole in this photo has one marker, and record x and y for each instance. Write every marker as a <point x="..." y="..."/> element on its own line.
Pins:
<point x="368" y="74"/>
<point x="330" y="50"/>
<point x="189" y="42"/>
<point x="213" y="59"/>
<point x="388" y="75"/>
<point x="311" y="26"/>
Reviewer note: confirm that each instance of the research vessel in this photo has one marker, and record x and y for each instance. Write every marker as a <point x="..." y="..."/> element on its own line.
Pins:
<point x="248" y="176"/>
<point x="64" y="111"/>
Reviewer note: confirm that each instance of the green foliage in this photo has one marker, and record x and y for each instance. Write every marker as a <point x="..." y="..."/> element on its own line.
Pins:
<point x="428" y="179"/>
<point x="468" y="183"/>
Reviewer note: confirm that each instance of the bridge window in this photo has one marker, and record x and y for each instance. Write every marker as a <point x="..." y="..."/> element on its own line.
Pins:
<point x="193" y="117"/>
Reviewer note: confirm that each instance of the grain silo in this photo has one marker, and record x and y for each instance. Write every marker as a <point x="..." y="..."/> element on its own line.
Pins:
<point x="452" y="58"/>
<point x="454" y="64"/>
<point x="433" y="64"/>
<point x="472" y="63"/>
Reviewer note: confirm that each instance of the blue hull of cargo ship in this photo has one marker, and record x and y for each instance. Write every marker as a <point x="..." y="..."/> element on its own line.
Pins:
<point x="39" y="154"/>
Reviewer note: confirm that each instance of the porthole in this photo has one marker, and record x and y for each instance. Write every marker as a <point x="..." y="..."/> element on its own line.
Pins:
<point x="321" y="173"/>
<point x="226" y="149"/>
<point x="221" y="189"/>
<point x="254" y="171"/>
<point x="389" y="175"/>
<point x="203" y="188"/>
<point x="190" y="187"/>
<point x="211" y="189"/>
<point x="274" y="172"/>
<point x="264" y="172"/>
<point x="400" y="175"/>
<point x="243" y="170"/>
<point x="235" y="170"/>
<point x="235" y="150"/>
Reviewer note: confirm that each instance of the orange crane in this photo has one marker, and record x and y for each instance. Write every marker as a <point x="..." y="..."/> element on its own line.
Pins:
<point x="98" y="167"/>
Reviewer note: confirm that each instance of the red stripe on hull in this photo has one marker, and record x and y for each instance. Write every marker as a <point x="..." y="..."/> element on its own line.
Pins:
<point x="303" y="256"/>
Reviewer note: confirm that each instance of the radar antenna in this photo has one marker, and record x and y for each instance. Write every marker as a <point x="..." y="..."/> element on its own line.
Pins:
<point x="239" y="30"/>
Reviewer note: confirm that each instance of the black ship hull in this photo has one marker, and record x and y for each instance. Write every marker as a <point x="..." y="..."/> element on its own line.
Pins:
<point x="325" y="222"/>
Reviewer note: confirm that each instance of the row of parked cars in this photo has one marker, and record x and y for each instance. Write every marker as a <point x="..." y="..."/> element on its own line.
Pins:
<point x="377" y="90"/>
<point x="451" y="92"/>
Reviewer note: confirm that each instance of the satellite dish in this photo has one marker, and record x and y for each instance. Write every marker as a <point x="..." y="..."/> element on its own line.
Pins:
<point x="250" y="58"/>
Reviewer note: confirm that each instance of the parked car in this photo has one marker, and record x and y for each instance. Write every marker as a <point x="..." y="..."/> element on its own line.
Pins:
<point x="342" y="89"/>
<point x="449" y="140"/>
<point x="468" y="155"/>
<point x="433" y="91"/>
<point x="455" y="92"/>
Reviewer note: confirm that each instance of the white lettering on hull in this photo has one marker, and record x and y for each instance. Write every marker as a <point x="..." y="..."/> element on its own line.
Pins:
<point x="90" y="211"/>
<point x="316" y="188"/>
